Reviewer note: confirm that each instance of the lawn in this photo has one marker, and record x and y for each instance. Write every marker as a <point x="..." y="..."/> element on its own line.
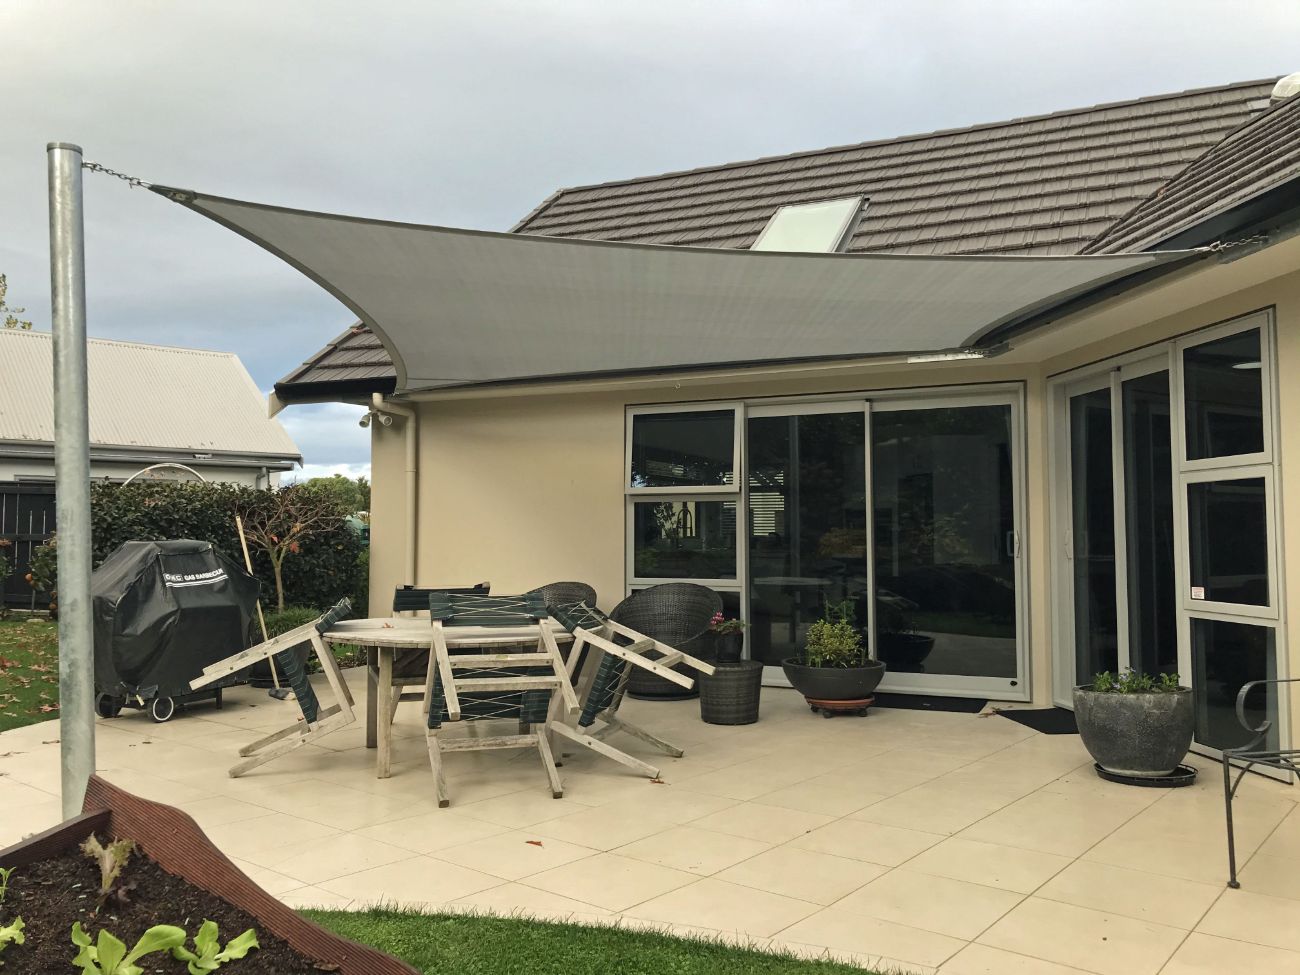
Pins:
<point x="483" y="945"/>
<point x="29" y="672"/>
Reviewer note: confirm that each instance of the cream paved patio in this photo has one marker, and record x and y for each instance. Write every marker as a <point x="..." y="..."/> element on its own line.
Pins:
<point x="926" y="841"/>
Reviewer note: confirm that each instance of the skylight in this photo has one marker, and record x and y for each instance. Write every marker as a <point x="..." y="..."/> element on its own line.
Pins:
<point x="819" y="228"/>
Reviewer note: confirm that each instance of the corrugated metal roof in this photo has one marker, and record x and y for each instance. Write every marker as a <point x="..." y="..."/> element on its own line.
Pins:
<point x="1044" y="185"/>
<point x="1261" y="155"/>
<point x="146" y="396"/>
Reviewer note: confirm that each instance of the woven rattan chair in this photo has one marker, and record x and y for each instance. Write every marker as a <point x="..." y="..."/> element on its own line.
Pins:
<point x="675" y="613"/>
<point x="621" y="651"/>
<point x="316" y="720"/>
<point x="481" y="685"/>
<point x="565" y="594"/>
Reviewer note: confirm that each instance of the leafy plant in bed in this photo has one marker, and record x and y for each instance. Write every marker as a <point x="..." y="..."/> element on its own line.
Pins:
<point x="132" y="886"/>
<point x="834" y="666"/>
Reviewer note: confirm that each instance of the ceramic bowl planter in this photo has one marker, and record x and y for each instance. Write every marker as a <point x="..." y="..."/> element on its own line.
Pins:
<point x="833" y="683"/>
<point x="173" y="842"/>
<point x="1141" y="734"/>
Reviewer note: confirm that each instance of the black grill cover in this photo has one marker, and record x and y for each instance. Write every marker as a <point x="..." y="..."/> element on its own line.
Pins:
<point x="162" y="612"/>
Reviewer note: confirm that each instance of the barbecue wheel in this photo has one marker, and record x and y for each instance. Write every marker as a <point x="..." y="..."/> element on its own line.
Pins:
<point x="162" y="708"/>
<point x="107" y="706"/>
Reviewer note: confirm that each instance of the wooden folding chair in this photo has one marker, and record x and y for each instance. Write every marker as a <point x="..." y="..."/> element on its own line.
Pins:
<point x="621" y="649"/>
<point x="316" y="721"/>
<point x="491" y="686"/>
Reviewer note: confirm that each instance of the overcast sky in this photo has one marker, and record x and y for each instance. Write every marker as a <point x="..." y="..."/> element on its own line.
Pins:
<point x="470" y="113"/>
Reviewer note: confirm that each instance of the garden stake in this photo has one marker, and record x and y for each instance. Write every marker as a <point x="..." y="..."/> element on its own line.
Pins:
<point x="277" y="692"/>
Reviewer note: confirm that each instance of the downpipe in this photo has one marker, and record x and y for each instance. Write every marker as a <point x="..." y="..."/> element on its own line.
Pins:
<point x="384" y="410"/>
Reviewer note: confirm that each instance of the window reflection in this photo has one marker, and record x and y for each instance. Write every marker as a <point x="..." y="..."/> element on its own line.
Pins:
<point x="1225" y="656"/>
<point x="1224" y="398"/>
<point x="684" y="539"/>
<point x="1228" y="541"/>
<point x="689" y="449"/>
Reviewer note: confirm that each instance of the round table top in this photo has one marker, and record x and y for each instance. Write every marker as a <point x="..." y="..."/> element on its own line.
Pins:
<point x="406" y="631"/>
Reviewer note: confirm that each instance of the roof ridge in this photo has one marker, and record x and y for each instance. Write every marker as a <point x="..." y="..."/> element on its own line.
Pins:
<point x="1019" y="120"/>
<point x="42" y="333"/>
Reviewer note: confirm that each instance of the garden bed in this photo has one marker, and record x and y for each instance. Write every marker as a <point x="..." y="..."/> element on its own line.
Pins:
<point x="175" y="876"/>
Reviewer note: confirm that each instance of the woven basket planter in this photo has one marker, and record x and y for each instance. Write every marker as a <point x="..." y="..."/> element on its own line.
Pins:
<point x="730" y="695"/>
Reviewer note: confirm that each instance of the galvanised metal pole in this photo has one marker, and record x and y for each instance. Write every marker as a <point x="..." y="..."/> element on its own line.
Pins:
<point x="72" y="474"/>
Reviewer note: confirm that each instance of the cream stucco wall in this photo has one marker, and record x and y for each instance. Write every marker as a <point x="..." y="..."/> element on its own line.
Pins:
<point x="527" y="487"/>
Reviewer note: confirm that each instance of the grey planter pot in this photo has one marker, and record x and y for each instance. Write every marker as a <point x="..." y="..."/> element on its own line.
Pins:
<point x="833" y="683"/>
<point x="1144" y="735"/>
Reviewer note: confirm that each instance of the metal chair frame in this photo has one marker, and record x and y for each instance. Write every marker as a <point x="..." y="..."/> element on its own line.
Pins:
<point x="1250" y="755"/>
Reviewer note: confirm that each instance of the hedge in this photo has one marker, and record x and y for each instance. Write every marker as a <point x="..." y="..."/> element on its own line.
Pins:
<point x="328" y="567"/>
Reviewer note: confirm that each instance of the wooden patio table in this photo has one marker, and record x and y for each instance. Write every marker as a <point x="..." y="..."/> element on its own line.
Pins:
<point x="388" y="636"/>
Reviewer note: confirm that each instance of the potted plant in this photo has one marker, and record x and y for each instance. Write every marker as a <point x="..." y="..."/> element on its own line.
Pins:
<point x="898" y="644"/>
<point x="730" y="695"/>
<point x="1135" y="724"/>
<point x="728" y="636"/>
<point x="834" y="672"/>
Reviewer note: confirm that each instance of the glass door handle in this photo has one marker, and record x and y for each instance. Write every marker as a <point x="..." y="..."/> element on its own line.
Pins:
<point x="1069" y="545"/>
<point x="1013" y="544"/>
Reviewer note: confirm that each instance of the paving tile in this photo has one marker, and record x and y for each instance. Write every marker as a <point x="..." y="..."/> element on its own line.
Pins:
<point x="1049" y="822"/>
<point x="264" y="840"/>
<point x="1273" y="875"/>
<point x="978" y="959"/>
<point x="847" y="931"/>
<point x="219" y="810"/>
<point x="873" y="963"/>
<point x="417" y="881"/>
<point x="1258" y="918"/>
<point x="1004" y="867"/>
<point x="887" y="845"/>
<point x="821" y="796"/>
<point x="611" y="881"/>
<point x="318" y="860"/>
<point x="1077" y="936"/>
<point x="804" y="874"/>
<point x="1132" y="893"/>
<point x="770" y="824"/>
<point x="517" y="810"/>
<point x="1203" y="954"/>
<point x="431" y="831"/>
<point x="513" y="855"/>
<point x="695" y="850"/>
<point x="940" y="904"/>
<point x="935" y="808"/>
<point x="301" y="898"/>
<point x="716" y="904"/>
<point x="602" y="827"/>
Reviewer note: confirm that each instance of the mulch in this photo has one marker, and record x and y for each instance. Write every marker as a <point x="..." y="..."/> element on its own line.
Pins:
<point x="52" y="894"/>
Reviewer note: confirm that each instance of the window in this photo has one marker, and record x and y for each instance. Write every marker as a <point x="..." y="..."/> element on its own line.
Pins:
<point x="1227" y="541"/>
<point x="1225" y="656"/>
<point x="688" y="539"/>
<point x="819" y="228"/>
<point x="1223" y="396"/>
<point x="685" y="449"/>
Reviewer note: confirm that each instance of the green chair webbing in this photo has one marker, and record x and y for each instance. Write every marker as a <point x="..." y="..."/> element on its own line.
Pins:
<point x="604" y="688"/>
<point x="295" y="675"/>
<point x="463" y="609"/>
<point x="529" y="706"/>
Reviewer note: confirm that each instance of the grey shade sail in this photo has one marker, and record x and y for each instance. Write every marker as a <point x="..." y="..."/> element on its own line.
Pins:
<point x="464" y="308"/>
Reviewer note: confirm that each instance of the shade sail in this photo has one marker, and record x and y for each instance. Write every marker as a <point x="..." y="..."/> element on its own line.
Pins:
<point x="461" y="307"/>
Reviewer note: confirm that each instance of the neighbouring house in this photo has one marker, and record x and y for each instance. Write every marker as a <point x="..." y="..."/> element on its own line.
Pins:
<point x="1016" y="393"/>
<point x="198" y="412"/>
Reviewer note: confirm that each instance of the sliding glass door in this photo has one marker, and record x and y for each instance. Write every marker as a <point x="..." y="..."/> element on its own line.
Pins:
<point x="947" y="546"/>
<point x="807" y="522"/>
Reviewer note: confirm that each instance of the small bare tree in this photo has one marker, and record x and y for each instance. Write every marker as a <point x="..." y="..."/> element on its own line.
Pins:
<point x="8" y="314"/>
<point x="284" y="522"/>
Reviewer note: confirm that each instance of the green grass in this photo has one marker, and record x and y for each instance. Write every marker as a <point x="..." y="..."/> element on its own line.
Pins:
<point x="469" y="944"/>
<point x="29" y="672"/>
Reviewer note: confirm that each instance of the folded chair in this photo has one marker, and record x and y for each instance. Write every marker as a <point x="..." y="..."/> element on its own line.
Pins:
<point x="316" y="721"/>
<point x="482" y="685"/>
<point x="622" y="650"/>
<point x="1250" y="755"/>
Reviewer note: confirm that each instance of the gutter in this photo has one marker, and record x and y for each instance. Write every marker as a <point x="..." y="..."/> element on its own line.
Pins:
<point x="383" y="410"/>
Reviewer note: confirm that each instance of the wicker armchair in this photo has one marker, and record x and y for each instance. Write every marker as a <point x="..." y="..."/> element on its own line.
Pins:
<point x="565" y="593"/>
<point x="675" y="613"/>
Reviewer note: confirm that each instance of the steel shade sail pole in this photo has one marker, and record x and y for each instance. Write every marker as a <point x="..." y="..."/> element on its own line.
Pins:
<point x="72" y="474"/>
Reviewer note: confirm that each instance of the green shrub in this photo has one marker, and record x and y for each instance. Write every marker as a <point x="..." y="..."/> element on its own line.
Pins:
<point x="833" y="641"/>
<point x="290" y="619"/>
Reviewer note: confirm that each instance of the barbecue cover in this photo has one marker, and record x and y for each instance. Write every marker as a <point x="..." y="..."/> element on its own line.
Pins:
<point x="165" y="610"/>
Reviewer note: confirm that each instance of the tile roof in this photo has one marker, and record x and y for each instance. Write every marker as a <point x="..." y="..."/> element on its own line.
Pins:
<point x="1044" y="185"/>
<point x="1260" y="155"/>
